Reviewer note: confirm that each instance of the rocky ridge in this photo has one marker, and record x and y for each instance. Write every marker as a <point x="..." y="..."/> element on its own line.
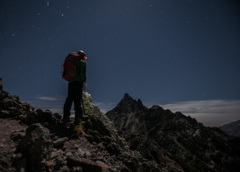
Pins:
<point x="232" y="128"/>
<point x="36" y="141"/>
<point x="168" y="138"/>
<point x="139" y="139"/>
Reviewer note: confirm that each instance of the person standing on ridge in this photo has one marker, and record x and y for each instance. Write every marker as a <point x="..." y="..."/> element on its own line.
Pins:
<point x="75" y="73"/>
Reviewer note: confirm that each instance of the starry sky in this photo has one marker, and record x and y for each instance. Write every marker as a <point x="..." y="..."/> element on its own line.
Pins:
<point x="183" y="55"/>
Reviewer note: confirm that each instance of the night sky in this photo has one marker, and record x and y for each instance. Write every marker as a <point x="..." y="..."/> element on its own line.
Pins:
<point x="183" y="55"/>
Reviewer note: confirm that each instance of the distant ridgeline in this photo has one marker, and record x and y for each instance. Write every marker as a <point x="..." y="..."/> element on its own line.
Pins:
<point x="232" y="128"/>
<point x="162" y="136"/>
<point x="138" y="139"/>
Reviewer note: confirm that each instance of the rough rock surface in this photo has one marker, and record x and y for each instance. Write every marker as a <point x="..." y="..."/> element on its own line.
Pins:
<point x="35" y="140"/>
<point x="173" y="139"/>
<point x="147" y="140"/>
<point x="9" y="128"/>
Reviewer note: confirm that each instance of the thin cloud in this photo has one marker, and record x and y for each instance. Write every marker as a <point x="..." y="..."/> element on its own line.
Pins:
<point x="205" y="106"/>
<point x="55" y="104"/>
<point x="209" y="112"/>
<point x="105" y="107"/>
<point x="47" y="98"/>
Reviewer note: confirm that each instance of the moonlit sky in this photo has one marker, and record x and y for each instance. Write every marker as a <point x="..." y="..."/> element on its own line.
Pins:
<point x="183" y="55"/>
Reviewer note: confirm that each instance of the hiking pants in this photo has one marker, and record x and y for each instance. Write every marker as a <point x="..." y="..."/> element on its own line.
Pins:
<point x="74" y="95"/>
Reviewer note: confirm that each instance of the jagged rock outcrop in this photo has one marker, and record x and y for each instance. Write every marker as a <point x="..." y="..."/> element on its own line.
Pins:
<point x="232" y="128"/>
<point x="126" y="109"/>
<point x="35" y="140"/>
<point x="174" y="141"/>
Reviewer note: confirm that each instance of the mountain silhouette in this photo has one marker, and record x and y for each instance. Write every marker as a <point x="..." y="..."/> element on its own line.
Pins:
<point x="165" y="137"/>
<point x="139" y="139"/>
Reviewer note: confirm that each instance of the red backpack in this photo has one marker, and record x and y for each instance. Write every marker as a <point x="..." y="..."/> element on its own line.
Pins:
<point x="70" y="67"/>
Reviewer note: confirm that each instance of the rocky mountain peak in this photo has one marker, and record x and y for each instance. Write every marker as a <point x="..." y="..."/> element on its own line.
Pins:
<point x="126" y="101"/>
<point x="161" y="135"/>
<point x="128" y="104"/>
<point x="127" y="98"/>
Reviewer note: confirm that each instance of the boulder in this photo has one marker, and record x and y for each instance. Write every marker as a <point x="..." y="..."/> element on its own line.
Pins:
<point x="36" y="147"/>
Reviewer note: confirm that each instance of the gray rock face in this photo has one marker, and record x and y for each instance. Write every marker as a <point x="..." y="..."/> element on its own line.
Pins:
<point x="173" y="139"/>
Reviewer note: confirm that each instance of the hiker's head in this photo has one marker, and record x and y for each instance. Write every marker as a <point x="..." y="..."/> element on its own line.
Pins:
<point x="82" y="54"/>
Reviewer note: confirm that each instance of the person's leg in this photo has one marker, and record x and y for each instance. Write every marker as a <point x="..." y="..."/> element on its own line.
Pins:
<point x="68" y="103"/>
<point x="67" y="109"/>
<point x="77" y="102"/>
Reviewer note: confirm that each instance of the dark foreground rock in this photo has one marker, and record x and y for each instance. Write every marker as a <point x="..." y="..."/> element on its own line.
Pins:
<point x="36" y="141"/>
<point x="146" y="140"/>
